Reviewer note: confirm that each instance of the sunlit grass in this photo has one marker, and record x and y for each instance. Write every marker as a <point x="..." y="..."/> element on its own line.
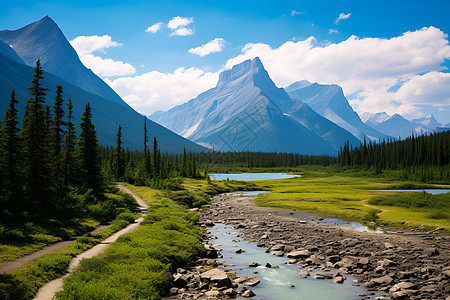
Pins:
<point x="343" y="197"/>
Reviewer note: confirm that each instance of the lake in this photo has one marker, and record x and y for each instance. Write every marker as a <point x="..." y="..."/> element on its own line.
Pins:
<point x="252" y="176"/>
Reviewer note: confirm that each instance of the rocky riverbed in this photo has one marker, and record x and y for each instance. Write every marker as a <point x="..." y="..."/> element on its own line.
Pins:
<point x="404" y="264"/>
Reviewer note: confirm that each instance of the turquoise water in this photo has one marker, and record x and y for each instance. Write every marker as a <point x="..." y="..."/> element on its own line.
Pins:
<point x="252" y="176"/>
<point x="431" y="191"/>
<point x="275" y="283"/>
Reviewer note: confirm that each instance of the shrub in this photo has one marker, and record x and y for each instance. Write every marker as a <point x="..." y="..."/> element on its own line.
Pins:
<point x="372" y="215"/>
<point x="94" y="264"/>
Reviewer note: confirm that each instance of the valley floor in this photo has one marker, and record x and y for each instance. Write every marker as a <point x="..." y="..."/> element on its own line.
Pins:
<point x="404" y="263"/>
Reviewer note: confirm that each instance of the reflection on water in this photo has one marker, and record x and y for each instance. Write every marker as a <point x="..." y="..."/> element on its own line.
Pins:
<point x="276" y="282"/>
<point x="252" y="176"/>
<point x="313" y="218"/>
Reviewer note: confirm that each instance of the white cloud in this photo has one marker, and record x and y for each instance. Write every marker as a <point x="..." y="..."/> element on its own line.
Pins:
<point x="183" y="31"/>
<point x="104" y="67"/>
<point x="155" y="27"/>
<point x="213" y="46"/>
<point x="331" y="31"/>
<point x="161" y="91"/>
<point x="179" y="22"/>
<point x="367" y="68"/>
<point x="88" y="44"/>
<point x="342" y="16"/>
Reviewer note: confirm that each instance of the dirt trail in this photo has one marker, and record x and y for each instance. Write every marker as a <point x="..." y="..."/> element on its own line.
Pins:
<point x="364" y="203"/>
<point x="49" y="290"/>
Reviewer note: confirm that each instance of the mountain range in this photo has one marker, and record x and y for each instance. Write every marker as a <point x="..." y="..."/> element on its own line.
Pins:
<point x="19" y="50"/>
<point x="247" y="111"/>
<point x="398" y="126"/>
<point x="329" y="101"/>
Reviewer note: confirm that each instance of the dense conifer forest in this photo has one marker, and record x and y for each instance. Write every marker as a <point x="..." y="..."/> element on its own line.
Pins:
<point x="423" y="158"/>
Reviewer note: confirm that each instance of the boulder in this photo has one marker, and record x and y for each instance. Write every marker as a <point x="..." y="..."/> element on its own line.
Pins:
<point x="180" y="280"/>
<point x="248" y="294"/>
<point x="251" y="281"/>
<point x="217" y="276"/>
<point x="297" y="254"/>
<point x="382" y="280"/>
<point x="338" y="279"/>
<point x="303" y="274"/>
<point x="323" y="276"/>
<point x="431" y="251"/>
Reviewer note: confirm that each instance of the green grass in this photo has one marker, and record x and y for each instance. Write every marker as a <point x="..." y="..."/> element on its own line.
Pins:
<point x="24" y="282"/>
<point x="342" y="196"/>
<point x="25" y="234"/>
<point x="134" y="266"/>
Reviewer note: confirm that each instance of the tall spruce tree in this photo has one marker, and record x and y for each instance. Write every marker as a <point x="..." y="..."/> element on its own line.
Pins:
<point x="119" y="156"/>
<point x="57" y="133"/>
<point x="89" y="155"/>
<point x="156" y="159"/>
<point x="70" y="140"/>
<point x="147" y="163"/>
<point x="35" y="143"/>
<point x="10" y="168"/>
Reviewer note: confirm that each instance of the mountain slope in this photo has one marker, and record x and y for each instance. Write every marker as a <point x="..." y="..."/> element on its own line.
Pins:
<point x="247" y="111"/>
<point x="107" y="115"/>
<point x="394" y="125"/>
<point x="329" y="101"/>
<point x="45" y="41"/>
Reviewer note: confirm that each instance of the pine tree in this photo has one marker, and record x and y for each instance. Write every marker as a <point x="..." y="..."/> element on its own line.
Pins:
<point x="10" y="170"/>
<point x="70" y="140"/>
<point x="147" y="164"/>
<point x="34" y="137"/>
<point x="57" y="133"/>
<point x="156" y="159"/>
<point x="88" y="154"/>
<point x="119" y="157"/>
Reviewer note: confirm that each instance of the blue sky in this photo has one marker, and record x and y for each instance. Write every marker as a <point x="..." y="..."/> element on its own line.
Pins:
<point x="152" y="59"/>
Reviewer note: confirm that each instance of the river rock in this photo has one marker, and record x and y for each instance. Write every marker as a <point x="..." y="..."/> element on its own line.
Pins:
<point x="338" y="279"/>
<point x="303" y="274"/>
<point x="254" y="265"/>
<point x="323" y="276"/>
<point x="180" y="280"/>
<point x="431" y="251"/>
<point x="251" y="281"/>
<point x="382" y="280"/>
<point x="277" y="247"/>
<point x="299" y="254"/>
<point x="402" y="286"/>
<point x="248" y="294"/>
<point x="217" y="276"/>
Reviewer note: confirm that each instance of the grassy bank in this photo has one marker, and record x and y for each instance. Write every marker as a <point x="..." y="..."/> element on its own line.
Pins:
<point x="135" y="266"/>
<point x="24" y="282"/>
<point x="351" y="198"/>
<point x="24" y="234"/>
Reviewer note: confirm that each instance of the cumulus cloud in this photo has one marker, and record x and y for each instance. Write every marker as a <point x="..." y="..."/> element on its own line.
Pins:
<point x="342" y="16"/>
<point x="161" y="91"/>
<point x="88" y="44"/>
<point x="179" y="22"/>
<point x="213" y="46"/>
<point x="367" y="68"/>
<point x="104" y="67"/>
<point x="155" y="27"/>
<point x="183" y="31"/>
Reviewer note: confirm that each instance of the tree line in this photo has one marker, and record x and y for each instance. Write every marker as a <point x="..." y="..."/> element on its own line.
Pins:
<point x="44" y="164"/>
<point x="424" y="157"/>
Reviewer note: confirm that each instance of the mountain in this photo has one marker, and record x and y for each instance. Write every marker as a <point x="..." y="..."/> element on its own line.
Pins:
<point x="428" y="122"/>
<point x="107" y="114"/>
<point x="45" y="41"/>
<point x="7" y="51"/>
<point x="329" y="101"/>
<point x="247" y="111"/>
<point x="394" y="125"/>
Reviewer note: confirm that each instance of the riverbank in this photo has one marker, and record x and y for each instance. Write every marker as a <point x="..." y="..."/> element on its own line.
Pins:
<point x="403" y="263"/>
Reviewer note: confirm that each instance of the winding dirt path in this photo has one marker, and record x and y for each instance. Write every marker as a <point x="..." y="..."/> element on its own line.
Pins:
<point x="364" y="203"/>
<point x="48" y="291"/>
<point x="9" y="266"/>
